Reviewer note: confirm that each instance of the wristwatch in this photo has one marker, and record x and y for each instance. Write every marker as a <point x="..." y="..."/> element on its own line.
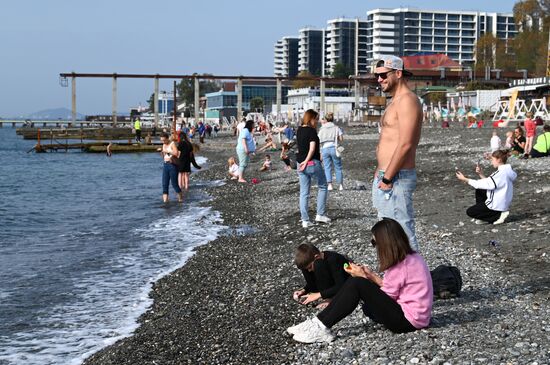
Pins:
<point x="386" y="181"/>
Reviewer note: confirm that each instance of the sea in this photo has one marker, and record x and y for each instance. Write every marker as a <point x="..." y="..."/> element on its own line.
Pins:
<point x="82" y="238"/>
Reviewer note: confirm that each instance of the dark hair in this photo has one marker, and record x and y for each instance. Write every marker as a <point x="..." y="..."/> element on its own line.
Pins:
<point x="391" y="242"/>
<point x="305" y="255"/>
<point x="546" y="128"/>
<point x="520" y="130"/>
<point x="500" y="155"/>
<point x="165" y="135"/>
<point x="309" y="116"/>
<point x="249" y="125"/>
<point x="329" y="117"/>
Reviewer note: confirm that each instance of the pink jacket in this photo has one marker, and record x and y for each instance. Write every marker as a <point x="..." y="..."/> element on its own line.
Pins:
<point x="409" y="283"/>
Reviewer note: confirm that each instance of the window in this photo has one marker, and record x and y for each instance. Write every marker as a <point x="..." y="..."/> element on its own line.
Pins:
<point x="426" y="47"/>
<point x="439" y="32"/>
<point x="411" y="38"/>
<point x="426" y="39"/>
<point x="468" y="33"/>
<point x="439" y="47"/>
<point x="427" y="16"/>
<point x="452" y="17"/>
<point x="440" y="16"/>
<point x="439" y="39"/>
<point x="453" y="32"/>
<point x="440" y="25"/>
<point x="452" y="40"/>
<point x="426" y="24"/>
<point x="411" y="15"/>
<point x="468" y="18"/>
<point x="453" y="24"/>
<point x="426" y="32"/>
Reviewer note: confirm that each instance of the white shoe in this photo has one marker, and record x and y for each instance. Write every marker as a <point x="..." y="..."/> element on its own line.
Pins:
<point x="322" y="218"/>
<point x="329" y="187"/>
<point x="479" y="221"/>
<point x="300" y="327"/>
<point x="306" y="224"/>
<point x="316" y="332"/>
<point x="502" y="218"/>
<point x="341" y="187"/>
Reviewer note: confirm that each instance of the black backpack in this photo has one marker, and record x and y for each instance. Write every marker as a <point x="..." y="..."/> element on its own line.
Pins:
<point x="446" y="281"/>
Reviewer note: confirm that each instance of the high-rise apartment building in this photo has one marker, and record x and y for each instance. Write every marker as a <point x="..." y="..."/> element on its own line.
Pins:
<point x="286" y="57"/>
<point x="405" y="32"/>
<point x="311" y="51"/>
<point x="346" y="43"/>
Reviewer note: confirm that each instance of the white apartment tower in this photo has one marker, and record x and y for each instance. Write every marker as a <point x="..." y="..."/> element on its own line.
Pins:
<point x="406" y="31"/>
<point x="286" y="57"/>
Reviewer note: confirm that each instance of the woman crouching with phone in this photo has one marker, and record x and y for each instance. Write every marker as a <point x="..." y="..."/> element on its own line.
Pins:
<point x="401" y="300"/>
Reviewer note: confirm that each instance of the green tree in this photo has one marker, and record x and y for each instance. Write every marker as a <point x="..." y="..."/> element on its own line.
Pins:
<point x="493" y="52"/>
<point x="305" y="79"/>
<point x="532" y="19"/>
<point x="341" y="71"/>
<point x="186" y="89"/>
<point x="257" y="104"/>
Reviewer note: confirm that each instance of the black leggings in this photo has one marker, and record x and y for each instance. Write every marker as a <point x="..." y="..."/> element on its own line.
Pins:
<point x="377" y="305"/>
<point x="480" y="210"/>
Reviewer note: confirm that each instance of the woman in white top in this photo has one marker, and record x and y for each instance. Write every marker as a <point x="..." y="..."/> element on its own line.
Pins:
<point x="169" y="153"/>
<point x="329" y="137"/>
<point x="494" y="193"/>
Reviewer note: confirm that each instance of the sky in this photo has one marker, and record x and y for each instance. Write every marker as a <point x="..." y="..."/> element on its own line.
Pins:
<point x="41" y="39"/>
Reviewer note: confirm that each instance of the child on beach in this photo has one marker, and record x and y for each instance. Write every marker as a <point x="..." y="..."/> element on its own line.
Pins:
<point x="324" y="273"/>
<point x="233" y="168"/>
<point x="284" y="155"/>
<point x="267" y="163"/>
<point x="509" y="140"/>
<point x="530" y="132"/>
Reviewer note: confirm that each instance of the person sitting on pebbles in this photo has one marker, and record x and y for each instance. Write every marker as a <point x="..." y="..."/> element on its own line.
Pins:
<point x="494" y="193"/>
<point x="324" y="273"/>
<point x="401" y="300"/>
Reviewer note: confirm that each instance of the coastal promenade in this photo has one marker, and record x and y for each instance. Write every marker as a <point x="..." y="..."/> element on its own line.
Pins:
<point x="231" y="303"/>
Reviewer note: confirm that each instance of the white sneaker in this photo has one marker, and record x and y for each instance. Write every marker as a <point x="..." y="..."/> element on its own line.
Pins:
<point x="300" y="327"/>
<point x="306" y="224"/>
<point x="479" y="221"/>
<point x="341" y="187"/>
<point x="316" y="332"/>
<point x="322" y="218"/>
<point x="502" y="218"/>
<point x="329" y="187"/>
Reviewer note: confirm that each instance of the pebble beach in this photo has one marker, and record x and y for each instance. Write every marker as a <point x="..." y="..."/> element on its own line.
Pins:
<point x="232" y="301"/>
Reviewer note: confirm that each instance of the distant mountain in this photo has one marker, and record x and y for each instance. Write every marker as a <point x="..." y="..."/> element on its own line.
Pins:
<point x="53" y="114"/>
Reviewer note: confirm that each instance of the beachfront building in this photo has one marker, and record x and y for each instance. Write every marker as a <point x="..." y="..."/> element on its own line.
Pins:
<point x="286" y="57"/>
<point x="406" y="32"/>
<point x="225" y="100"/>
<point x="346" y="43"/>
<point x="311" y="51"/>
<point x="341" y="102"/>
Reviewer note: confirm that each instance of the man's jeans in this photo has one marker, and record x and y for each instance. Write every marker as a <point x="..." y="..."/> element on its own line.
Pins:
<point x="397" y="203"/>
<point x="305" y="183"/>
<point x="330" y="158"/>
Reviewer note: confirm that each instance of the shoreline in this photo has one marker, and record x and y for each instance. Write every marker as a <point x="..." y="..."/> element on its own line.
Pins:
<point x="231" y="302"/>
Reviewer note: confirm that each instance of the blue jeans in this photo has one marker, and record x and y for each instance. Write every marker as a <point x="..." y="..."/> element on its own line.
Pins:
<point x="329" y="159"/>
<point x="305" y="176"/>
<point x="170" y="173"/>
<point x="244" y="159"/>
<point x="397" y="203"/>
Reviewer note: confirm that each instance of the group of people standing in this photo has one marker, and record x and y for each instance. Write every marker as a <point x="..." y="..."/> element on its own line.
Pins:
<point x="178" y="156"/>
<point x="402" y="299"/>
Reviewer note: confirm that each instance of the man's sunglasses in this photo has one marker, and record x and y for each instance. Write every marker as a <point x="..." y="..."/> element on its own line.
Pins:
<point x="383" y="75"/>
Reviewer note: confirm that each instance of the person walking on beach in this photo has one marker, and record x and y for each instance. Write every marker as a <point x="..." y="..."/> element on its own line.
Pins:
<point x="137" y="127"/>
<point x="185" y="149"/>
<point x="309" y="166"/>
<point x="329" y="137"/>
<point x="395" y="176"/>
<point x="169" y="153"/>
<point x="494" y="193"/>
<point x="401" y="301"/>
<point x="245" y="147"/>
<point x="530" y="132"/>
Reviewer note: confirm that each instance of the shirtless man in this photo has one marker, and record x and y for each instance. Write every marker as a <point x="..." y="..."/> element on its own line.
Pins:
<point x="395" y="176"/>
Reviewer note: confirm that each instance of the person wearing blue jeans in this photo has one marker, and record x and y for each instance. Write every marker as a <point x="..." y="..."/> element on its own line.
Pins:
<point x="169" y="153"/>
<point x="400" y="129"/>
<point x="329" y="136"/>
<point x="397" y="202"/>
<point x="309" y="166"/>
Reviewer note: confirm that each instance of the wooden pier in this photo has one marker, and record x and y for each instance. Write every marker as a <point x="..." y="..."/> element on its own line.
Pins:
<point x="96" y="147"/>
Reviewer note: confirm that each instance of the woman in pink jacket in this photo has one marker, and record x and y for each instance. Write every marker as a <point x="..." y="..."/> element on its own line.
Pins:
<point x="401" y="300"/>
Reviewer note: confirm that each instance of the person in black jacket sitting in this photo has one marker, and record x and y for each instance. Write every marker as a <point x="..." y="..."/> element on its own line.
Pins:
<point x="324" y="273"/>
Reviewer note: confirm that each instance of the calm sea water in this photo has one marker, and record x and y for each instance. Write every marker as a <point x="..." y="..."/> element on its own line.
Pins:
<point x="82" y="237"/>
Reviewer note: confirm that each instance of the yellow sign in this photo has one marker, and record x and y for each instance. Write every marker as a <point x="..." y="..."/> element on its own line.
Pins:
<point x="512" y="104"/>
